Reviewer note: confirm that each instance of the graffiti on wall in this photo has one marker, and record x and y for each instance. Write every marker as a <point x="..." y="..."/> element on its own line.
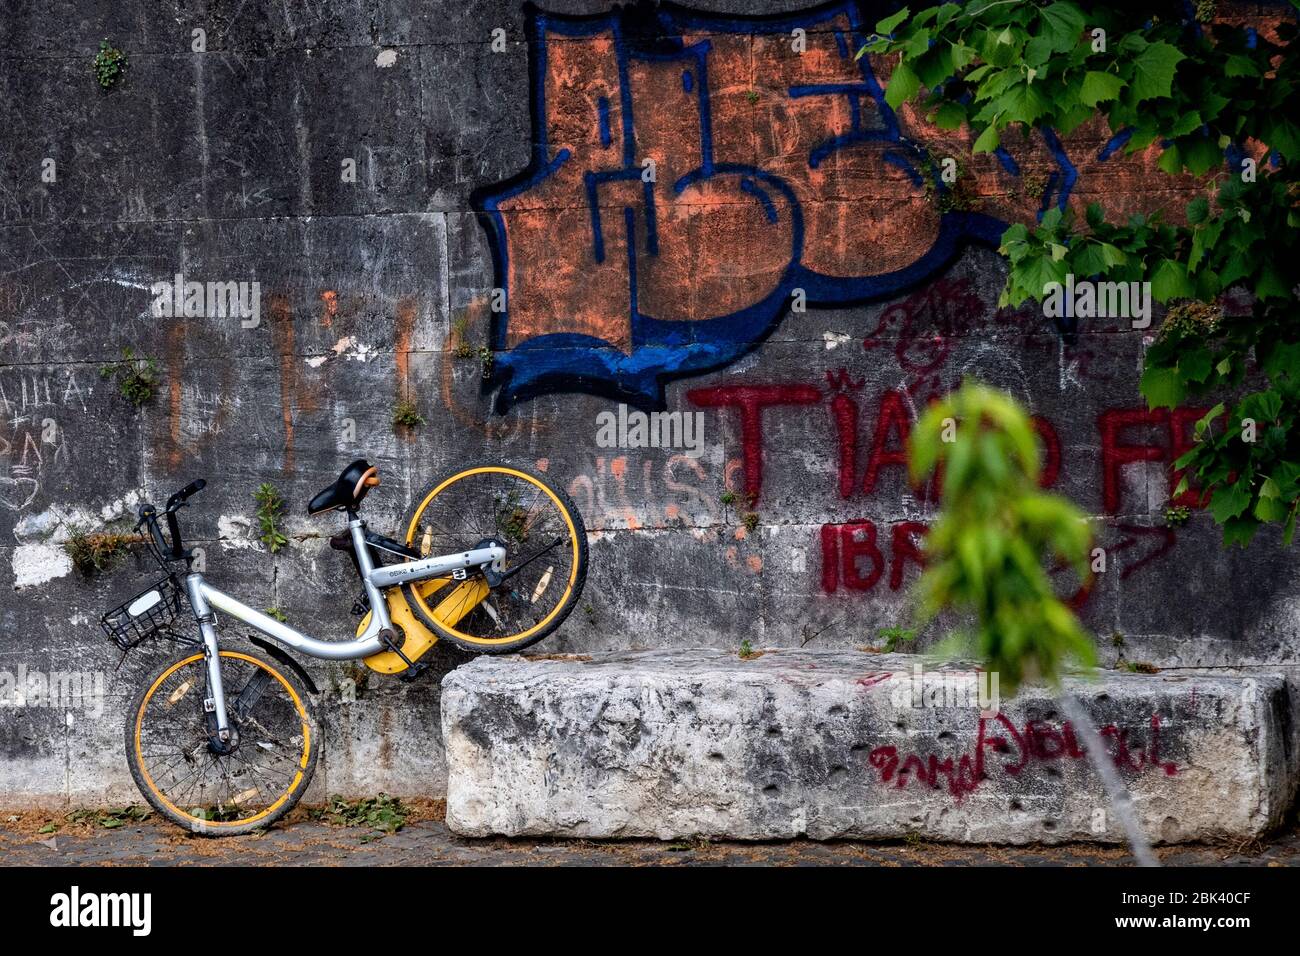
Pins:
<point x="693" y="175"/>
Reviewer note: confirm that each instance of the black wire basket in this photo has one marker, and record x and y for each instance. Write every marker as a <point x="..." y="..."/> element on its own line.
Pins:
<point x="143" y="617"/>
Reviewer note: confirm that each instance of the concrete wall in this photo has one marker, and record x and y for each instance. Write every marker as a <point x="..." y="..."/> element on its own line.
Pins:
<point x="793" y="274"/>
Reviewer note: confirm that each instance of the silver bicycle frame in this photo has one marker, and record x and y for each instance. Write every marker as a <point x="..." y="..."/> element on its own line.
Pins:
<point x="205" y="599"/>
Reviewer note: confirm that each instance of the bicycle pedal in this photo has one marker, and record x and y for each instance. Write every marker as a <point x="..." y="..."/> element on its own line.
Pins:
<point x="412" y="672"/>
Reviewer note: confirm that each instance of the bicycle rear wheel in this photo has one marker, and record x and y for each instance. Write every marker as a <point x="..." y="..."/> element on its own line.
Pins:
<point x="544" y="570"/>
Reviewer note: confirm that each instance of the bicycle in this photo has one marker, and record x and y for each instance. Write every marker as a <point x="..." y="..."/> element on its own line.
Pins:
<point x="224" y="740"/>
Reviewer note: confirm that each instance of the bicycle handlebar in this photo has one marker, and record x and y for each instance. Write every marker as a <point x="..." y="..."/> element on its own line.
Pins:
<point x="193" y="488"/>
<point x="175" y="550"/>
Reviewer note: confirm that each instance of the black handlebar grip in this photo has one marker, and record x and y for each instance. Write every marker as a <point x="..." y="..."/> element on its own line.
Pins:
<point x="193" y="488"/>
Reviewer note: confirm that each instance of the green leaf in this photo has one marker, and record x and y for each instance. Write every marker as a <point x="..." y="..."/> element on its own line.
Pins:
<point x="1039" y="50"/>
<point x="1212" y="105"/>
<point x="1099" y="87"/>
<point x="1186" y="124"/>
<point x="987" y="141"/>
<point x="917" y="44"/>
<point x="1169" y="281"/>
<point x="1062" y="23"/>
<point x="1163" y="387"/>
<point x="1239" y="531"/>
<point x="934" y="66"/>
<point x="1171" y="160"/>
<point x="962" y="56"/>
<point x="1194" y="365"/>
<point x="1205" y="420"/>
<point x="1037" y="274"/>
<point x="1271" y="284"/>
<point x="949" y="116"/>
<point x="1229" y="501"/>
<point x="903" y="85"/>
<point x="1201" y="155"/>
<point x="1239" y="65"/>
<point x="886" y="26"/>
<point x="1197" y="210"/>
<point x="1111" y="255"/>
<point x="1153" y="71"/>
<point x="1023" y="104"/>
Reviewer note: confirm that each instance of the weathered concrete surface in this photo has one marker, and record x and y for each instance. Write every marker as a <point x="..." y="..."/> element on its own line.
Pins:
<point x="799" y="743"/>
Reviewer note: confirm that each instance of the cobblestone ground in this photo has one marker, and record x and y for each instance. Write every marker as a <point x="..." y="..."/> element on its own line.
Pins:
<point x="117" y="838"/>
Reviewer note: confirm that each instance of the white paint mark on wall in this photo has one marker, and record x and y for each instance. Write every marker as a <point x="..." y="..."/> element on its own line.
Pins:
<point x="386" y="59"/>
<point x="346" y="347"/>
<point x="56" y="523"/>
<point x="38" y="563"/>
<point x="834" y="340"/>
<point x="233" y="530"/>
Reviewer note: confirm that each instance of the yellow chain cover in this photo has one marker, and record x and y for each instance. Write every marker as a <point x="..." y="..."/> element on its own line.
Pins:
<point x="417" y="638"/>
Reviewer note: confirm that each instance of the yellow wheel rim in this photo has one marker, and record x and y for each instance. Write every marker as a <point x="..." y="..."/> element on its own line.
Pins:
<point x="302" y="764"/>
<point x="573" y="540"/>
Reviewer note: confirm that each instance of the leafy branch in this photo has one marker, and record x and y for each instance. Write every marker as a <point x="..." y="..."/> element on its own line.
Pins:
<point x="1220" y="101"/>
<point x="985" y="553"/>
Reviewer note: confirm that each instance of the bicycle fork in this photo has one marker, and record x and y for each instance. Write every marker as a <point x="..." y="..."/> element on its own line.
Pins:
<point x="215" y="702"/>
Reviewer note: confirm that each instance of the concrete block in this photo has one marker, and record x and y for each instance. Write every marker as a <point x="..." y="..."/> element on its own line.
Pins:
<point x="831" y="745"/>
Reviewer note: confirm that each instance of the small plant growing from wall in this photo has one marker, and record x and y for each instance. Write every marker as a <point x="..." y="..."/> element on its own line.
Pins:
<point x="137" y="376"/>
<point x="277" y="614"/>
<point x="1176" y="516"/>
<point x="892" y="637"/>
<point x="93" y="552"/>
<point x="109" y="65"/>
<point x="462" y="349"/>
<point x="270" y="510"/>
<point x="459" y="343"/>
<point x="407" y="415"/>
<point x="1139" y="667"/>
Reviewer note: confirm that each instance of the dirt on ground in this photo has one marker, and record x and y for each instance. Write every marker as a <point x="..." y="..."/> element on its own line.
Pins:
<point x="382" y="832"/>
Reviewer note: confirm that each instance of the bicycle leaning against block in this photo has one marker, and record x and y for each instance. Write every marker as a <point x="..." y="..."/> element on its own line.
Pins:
<point x="224" y="740"/>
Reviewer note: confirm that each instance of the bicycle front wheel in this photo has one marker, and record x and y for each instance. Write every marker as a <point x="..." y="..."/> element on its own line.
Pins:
<point x="213" y="787"/>
<point x="543" y="573"/>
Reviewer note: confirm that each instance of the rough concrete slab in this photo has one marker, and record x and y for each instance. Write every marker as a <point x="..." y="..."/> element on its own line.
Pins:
<point x="830" y="745"/>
